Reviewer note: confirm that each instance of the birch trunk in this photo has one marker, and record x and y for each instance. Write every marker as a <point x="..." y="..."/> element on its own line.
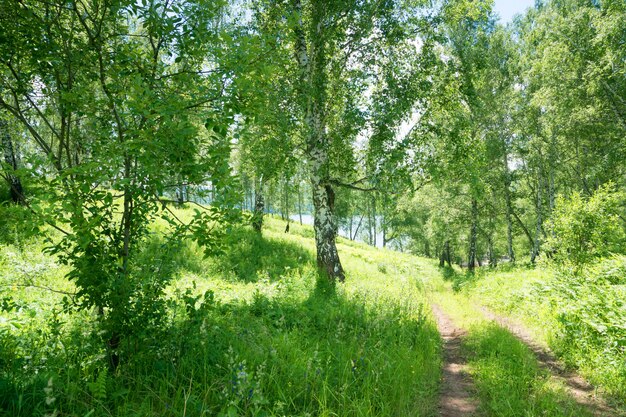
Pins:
<point x="311" y="61"/>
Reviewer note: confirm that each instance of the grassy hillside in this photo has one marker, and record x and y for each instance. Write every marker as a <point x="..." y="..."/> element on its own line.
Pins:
<point x="248" y="333"/>
<point x="252" y="332"/>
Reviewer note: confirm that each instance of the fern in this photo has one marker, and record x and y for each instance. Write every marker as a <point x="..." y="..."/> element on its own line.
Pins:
<point x="98" y="388"/>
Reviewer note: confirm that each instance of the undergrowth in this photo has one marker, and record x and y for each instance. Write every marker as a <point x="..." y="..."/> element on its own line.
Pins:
<point x="251" y="332"/>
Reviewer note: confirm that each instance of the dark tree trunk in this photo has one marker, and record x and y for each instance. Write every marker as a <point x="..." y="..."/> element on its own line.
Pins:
<point x="539" y="224"/>
<point x="181" y="192"/>
<point x="259" y="207"/>
<point x="374" y="220"/>
<point x="11" y="160"/>
<point x="493" y="260"/>
<point x="370" y="239"/>
<point x="509" y="206"/>
<point x="358" y="226"/>
<point x="471" y="262"/>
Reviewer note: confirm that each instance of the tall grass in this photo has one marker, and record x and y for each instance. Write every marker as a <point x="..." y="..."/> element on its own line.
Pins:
<point x="507" y="375"/>
<point x="509" y="380"/>
<point x="252" y="332"/>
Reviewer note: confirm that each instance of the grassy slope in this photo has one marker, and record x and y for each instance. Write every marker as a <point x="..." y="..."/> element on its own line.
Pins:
<point x="267" y="342"/>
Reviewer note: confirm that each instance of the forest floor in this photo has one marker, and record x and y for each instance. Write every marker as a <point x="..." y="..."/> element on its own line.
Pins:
<point x="251" y="333"/>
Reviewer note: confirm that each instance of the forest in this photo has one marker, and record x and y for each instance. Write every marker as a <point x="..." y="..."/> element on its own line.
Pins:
<point x="274" y="208"/>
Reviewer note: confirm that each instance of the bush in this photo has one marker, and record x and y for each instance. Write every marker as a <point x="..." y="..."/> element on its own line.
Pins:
<point x="586" y="229"/>
<point x="17" y="224"/>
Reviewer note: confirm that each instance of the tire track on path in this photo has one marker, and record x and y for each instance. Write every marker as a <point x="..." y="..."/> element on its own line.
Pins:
<point x="582" y="392"/>
<point x="457" y="387"/>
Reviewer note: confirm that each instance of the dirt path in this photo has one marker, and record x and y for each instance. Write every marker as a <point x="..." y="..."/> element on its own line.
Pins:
<point x="455" y="399"/>
<point x="582" y="392"/>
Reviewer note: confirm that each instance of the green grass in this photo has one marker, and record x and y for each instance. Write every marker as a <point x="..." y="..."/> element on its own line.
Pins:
<point x="580" y="318"/>
<point x="509" y="380"/>
<point x="251" y="332"/>
<point x="506" y="373"/>
<point x="254" y="332"/>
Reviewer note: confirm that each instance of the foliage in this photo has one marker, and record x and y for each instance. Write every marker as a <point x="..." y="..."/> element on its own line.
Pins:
<point x="586" y="229"/>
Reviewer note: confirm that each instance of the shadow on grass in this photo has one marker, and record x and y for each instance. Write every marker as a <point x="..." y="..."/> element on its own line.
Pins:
<point x="249" y="257"/>
<point x="319" y="356"/>
<point x="17" y="224"/>
<point x="324" y="355"/>
<point x="458" y="279"/>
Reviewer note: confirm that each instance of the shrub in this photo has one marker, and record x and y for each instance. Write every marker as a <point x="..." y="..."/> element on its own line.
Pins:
<point x="586" y="229"/>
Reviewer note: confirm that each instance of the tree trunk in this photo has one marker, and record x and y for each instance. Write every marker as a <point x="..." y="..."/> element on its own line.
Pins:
<point x="11" y="160"/>
<point x="299" y="204"/>
<point x="368" y="206"/>
<point x="442" y="257"/>
<point x="448" y="254"/>
<point x="551" y="186"/>
<point x="287" y="199"/>
<point x="471" y="262"/>
<point x="358" y="226"/>
<point x="350" y="226"/>
<point x="181" y="191"/>
<point x="259" y="207"/>
<point x="493" y="260"/>
<point x="509" y="206"/>
<point x="537" y="240"/>
<point x="383" y="230"/>
<point x="283" y="202"/>
<point x="374" y="219"/>
<point x="311" y="62"/>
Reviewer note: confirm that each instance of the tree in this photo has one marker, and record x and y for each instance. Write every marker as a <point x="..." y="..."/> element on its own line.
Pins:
<point x="586" y="229"/>
<point x="11" y="164"/>
<point x="104" y="90"/>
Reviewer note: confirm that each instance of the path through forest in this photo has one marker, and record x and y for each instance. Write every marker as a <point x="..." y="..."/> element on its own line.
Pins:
<point x="580" y="390"/>
<point x="456" y="392"/>
<point x="457" y="397"/>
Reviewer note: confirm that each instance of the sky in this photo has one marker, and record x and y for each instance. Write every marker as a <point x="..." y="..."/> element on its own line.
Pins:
<point x="508" y="8"/>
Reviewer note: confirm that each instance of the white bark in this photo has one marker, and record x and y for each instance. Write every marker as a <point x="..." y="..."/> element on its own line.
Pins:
<point x="312" y="73"/>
